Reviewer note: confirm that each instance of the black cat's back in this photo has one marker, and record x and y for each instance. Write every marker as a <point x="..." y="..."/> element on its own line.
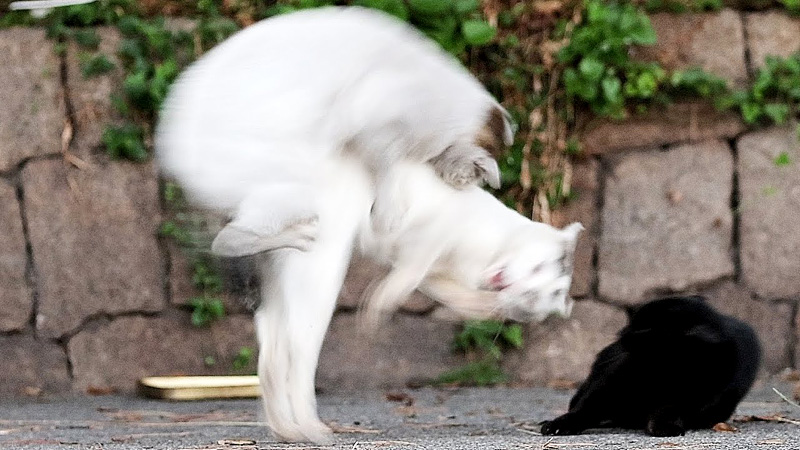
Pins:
<point x="677" y="365"/>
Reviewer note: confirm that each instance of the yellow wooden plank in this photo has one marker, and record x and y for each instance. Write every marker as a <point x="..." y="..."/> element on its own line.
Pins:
<point x="200" y="387"/>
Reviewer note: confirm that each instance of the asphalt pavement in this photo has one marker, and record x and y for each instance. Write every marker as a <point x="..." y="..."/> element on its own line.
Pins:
<point x="428" y="418"/>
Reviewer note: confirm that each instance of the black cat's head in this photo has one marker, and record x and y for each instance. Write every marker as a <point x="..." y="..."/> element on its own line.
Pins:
<point x="668" y="321"/>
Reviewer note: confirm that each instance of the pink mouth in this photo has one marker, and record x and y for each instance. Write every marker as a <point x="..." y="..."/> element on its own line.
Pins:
<point x="496" y="283"/>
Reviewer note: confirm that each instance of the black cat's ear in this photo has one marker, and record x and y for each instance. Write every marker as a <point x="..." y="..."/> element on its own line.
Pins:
<point x="705" y="333"/>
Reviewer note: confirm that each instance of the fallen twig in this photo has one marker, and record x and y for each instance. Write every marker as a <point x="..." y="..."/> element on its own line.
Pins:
<point x="786" y="399"/>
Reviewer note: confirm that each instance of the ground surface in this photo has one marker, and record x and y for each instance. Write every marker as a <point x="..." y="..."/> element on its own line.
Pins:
<point x="499" y="418"/>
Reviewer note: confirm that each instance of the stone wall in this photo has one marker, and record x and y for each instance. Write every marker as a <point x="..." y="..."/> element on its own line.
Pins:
<point x="681" y="199"/>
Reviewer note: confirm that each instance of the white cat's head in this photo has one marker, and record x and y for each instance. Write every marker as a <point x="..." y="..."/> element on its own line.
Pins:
<point x="533" y="274"/>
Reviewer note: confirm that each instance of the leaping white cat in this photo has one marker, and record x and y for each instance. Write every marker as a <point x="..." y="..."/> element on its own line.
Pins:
<point x="297" y="128"/>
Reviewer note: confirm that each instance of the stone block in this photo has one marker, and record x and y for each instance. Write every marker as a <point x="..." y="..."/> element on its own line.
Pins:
<point x="713" y="42"/>
<point x="771" y="321"/>
<point x="769" y="211"/>
<point x="93" y="237"/>
<point x="116" y="354"/>
<point x="771" y="33"/>
<point x="15" y="295"/>
<point x="32" y="115"/>
<point x="408" y="348"/>
<point x="32" y="366"/>
<point x="670" y="124"/>
<point x="564" y="349"/>
<point x="585" y="183"/>
<point x="183" y="290"/>
<point x="667" y="222"/>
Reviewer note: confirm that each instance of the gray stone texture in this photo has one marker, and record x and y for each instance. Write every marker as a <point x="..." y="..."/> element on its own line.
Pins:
<point x="666" y="221"/>
<point x="771" y="321"/>
<point x="713" y="42"/>
<point x="564" y="349"/>
<point x="660" y="125"/>
<point x="183" y="290"/>
<point x="771" y="33"/>
<point x="93" y="237"/>
<point x="408" y="349"/>
<point x="585" y="183"/>
<point x="15" y="295"/>
<point x="32" y="114"/>
<point x="361" y="273"/>
<point x="32" y="367"/>
<point x="769" y="210"/>
<point x="114" y="355"/>
<point x="91" y="97"/>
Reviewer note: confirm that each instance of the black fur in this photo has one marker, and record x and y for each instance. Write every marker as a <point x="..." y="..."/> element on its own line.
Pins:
<point x="678" y="365"/>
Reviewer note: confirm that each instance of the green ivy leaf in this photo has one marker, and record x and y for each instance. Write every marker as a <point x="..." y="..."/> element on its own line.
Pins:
<point x="431" y="7"/>
<point x="612" y="89"/>
<point x="88" y="39"/>
<point x="137" y="90"/>
<point x="478" y="32"/>
<point x="125" y="141"/>
<point x="751" y="112"/>
<point x="782" y="160"/>
<point x="512" y="334"/>
<point x="96" y="65"/>
<point x="396" y="8"/>
<point x="468" y="6"/>
<point x="591" y="69"/>
<point x="778" y="112"/>
<point x="644" y="34"/>
<point x="791" y="5"/>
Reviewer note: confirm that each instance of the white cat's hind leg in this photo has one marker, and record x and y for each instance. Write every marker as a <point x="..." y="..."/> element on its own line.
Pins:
<point x="300" y="293"/>
<point x="273" y="370"/>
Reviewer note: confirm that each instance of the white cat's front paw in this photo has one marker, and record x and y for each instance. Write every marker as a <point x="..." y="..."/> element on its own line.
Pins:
<point x="235" y="240"/>
<point x="303" y="234"/>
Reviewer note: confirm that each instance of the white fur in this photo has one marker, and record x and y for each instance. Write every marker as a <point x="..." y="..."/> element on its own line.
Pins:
<point x="293" y="127"/>
<point x="442" y="238"/>
<point x="448" y="242"/>
<point x="251" y="118"/>
<point x="299" y="291"/>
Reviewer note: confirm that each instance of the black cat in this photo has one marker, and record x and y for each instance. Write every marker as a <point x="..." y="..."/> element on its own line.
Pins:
<point x="678" y="365"/>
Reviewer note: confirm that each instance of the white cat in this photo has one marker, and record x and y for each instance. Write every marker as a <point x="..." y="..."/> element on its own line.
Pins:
<point x="279" y="96"/>
<point x="295" y="127"/>
<point x="463" y="248"/>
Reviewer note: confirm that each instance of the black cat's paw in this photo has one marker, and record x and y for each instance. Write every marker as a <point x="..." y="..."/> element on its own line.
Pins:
<point x="562" y="426"/>
<point x="662" y="428"/>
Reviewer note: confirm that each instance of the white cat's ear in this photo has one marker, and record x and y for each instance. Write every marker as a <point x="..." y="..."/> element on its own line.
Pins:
<point x="508" y="126"/>
<point x="489" y="170"/>
<point x="573" y="230"/>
